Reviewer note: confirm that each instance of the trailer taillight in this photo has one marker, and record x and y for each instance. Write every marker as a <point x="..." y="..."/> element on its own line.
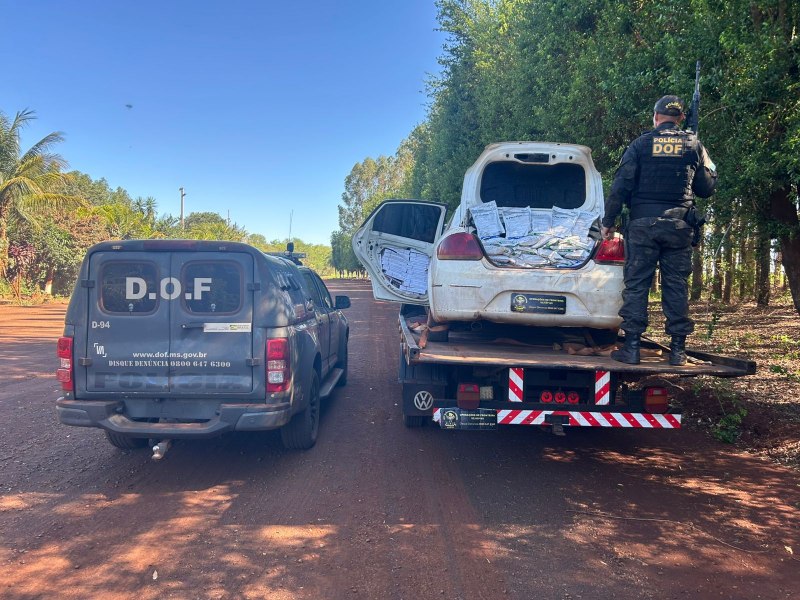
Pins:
<point x="573" y="397"/>
<point x="656" y="400"/>
<point x="279" y="372"/>
<point x="611" y="251"/>
<point x="64" y="373"/>
<point x="560" y="397"/>
<point x="460" y="246"/>
<point x="546" y="396"/>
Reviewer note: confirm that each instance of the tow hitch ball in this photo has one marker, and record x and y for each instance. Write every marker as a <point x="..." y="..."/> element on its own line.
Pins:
<point x="160" y="449"/>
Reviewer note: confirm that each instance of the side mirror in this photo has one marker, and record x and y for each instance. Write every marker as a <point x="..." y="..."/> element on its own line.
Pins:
<point x="342" y="302"/>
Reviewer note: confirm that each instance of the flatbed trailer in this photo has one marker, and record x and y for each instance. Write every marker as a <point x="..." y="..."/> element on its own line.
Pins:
<point x="481" y="378"/>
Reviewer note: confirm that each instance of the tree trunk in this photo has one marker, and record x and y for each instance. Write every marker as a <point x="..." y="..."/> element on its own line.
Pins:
<point x="762" y="267"/>
<point x="3" y="246"/>
<point x="727" y="288"/>
<point x="784" y="210"/>
<point x="744" y="265"/>
<point x="48" y="282"/>
<point x="716" y="270"/>
<point x="697" y="272"/>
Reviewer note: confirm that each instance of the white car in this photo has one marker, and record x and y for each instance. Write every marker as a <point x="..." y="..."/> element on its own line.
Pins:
<point x="490" y="263"/>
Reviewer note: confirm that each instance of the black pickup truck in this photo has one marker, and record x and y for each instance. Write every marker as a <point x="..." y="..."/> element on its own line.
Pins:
<point x="171" y="339"/>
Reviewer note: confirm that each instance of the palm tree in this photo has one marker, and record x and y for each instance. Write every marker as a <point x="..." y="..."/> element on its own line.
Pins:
<point x="29" y="182"/>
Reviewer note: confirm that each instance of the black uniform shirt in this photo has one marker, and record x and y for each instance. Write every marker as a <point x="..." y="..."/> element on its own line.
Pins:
<point x="661" y="169"/>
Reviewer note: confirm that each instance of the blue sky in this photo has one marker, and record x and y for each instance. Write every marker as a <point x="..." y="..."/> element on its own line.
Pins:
<point x="257" y="108"/>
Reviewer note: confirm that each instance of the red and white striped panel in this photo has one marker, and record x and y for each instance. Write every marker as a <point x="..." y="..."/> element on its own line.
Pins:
<point x="516" y="384"/>
<point x="602" y="387"/>
<point x="590" y="419"/>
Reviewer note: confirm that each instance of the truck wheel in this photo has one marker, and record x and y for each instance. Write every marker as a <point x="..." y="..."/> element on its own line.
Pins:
<point x="125" y="442"/>
<point x="301" y="432"/>
<point x="342" y="364"/>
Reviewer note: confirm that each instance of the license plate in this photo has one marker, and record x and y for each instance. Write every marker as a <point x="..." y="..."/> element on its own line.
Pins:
<point x="459" y="418"/>
<point x="538" y="303"/>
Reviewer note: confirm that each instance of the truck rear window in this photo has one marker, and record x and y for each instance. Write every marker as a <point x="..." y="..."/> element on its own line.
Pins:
<point x="212" y="287"/>
<point x="515" y="184"/>
<point x="125" y="285"/>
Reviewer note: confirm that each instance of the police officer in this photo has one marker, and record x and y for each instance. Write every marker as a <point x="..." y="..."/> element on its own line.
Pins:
<point x="659" y="175"/>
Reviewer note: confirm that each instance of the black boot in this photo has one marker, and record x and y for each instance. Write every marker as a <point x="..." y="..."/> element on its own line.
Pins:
<point x="629" y="353"/>
<point x="677" y="350"/>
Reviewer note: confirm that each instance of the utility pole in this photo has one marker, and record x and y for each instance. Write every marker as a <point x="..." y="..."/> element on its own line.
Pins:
<point x="183" y="195"/>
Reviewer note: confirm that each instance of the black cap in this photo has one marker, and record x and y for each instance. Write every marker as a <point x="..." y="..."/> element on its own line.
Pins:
<point x="669" y="105"/>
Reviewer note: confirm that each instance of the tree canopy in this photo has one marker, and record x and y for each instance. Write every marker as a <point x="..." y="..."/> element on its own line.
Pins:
<point x="589" y="72"/>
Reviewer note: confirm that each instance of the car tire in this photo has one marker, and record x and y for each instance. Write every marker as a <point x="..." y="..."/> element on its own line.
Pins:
<point x="301" y="432"/>
<point x="342" y="364"/>
<point x="125" y="442"/>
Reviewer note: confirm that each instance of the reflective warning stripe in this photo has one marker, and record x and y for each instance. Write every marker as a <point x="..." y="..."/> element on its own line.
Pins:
<point x="584" y="418"/>
<point x="602" y="387"/>
<point x="590" y="419"/>
<point x="515" y="384"/>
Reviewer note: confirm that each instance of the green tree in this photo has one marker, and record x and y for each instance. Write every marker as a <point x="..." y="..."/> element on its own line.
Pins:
<point x="29" y="181"/>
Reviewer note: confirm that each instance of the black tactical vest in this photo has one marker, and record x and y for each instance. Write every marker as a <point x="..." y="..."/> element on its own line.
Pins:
<point x="668" y="159"/>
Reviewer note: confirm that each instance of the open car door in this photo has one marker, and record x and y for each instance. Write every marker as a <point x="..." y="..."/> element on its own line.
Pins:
<point x="395" y="245"/>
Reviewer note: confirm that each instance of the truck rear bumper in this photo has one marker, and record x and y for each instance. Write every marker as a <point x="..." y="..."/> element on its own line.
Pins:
<point x="574" y="418"/>
<point x="109" y="415"/>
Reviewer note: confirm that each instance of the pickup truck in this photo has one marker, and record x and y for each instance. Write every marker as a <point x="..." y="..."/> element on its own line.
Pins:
<point x="176" y="339"/>
<point x="509" y="308"/>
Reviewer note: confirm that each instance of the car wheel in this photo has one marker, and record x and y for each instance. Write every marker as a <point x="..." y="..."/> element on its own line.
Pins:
<point x="301" y="432"/>
<point x="125" y="442"/>
<point x="342" y="364"/>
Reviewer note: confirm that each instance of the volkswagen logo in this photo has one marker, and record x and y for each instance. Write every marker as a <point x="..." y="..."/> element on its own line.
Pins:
<point x="423" y="400"/>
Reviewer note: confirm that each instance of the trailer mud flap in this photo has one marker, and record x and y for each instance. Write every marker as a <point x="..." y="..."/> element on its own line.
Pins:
<point x="482" y="419"/>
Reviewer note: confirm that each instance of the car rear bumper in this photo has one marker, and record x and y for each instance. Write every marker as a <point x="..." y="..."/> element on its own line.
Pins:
<point x="474" y="290"/>
<point x="110" y="415"/>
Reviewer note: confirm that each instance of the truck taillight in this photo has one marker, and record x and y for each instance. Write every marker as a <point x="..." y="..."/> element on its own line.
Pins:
<point x="468" y="396"/>
<point x="278" y="365"/>
<point x="546" y="396"/>
<point x="64" y="373"/>
<point x="656" y="400"/>
<point x="460" y="246"/>
<point x="573" y="397"/>
<point x="560" y="397"/>
<point x="611" y="251"/>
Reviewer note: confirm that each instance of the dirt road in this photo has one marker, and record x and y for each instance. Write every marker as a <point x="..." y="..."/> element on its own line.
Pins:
<point x="376" y="510"/>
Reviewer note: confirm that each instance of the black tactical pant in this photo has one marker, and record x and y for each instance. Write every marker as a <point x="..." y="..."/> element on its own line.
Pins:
<point x="667" y="243"/>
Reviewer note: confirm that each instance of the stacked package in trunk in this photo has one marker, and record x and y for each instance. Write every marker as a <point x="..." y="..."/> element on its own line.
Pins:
<point x="527" y="237"/>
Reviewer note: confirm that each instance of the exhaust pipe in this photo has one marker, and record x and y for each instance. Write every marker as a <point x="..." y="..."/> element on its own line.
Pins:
<point x="160" y="449"/>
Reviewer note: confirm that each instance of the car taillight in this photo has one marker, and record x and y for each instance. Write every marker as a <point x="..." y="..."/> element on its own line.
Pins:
<point x="460" y="246"/>
<point x="611" y="251"/>
<point x="64" y="372"/>
<point x="656" y="400"/>
<point x="278" y="365"/>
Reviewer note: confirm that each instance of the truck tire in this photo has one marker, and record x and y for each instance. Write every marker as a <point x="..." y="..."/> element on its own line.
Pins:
<point x="342" y="364"/>
<point x="125" y="442"/>
<point x="301" y="432"/>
